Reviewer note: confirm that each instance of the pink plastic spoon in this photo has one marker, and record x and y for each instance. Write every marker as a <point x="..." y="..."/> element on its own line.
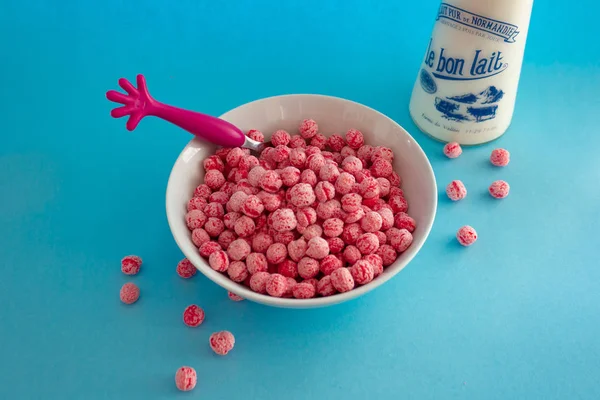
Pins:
<point x="138" y="103"/>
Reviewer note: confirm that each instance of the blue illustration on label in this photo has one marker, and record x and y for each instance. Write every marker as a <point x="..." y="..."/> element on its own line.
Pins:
<point x="470" y="106"/>
<point x="494" y="27"/>
<point x="427" y="82"/>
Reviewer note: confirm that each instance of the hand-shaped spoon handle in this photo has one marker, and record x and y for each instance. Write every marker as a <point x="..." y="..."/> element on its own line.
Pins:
<point x="138" y="103"/>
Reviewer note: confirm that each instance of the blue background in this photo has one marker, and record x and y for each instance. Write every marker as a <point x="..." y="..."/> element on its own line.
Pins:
<point x="514" y="317"/>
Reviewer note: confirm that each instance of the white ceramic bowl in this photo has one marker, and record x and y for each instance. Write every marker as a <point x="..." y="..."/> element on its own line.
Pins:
<point x="334" y="115"/>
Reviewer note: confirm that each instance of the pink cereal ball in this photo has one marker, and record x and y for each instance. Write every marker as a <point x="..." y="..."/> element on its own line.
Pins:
<point x="280" y="137"/>
<point x="308" y="176"/>
<point x="214" y="179"/>
<point x="213" y="162"/>
<point x="288" y="268"/>
<point x="396" y="191"/>
<point x="308" y="268"/>
<point x="185" y="379"/>
<point x="328" y="209"/>
<point x="238" y="250"/>
<point x="130" y="293"/>
<point x="367" y="243"/>
<point x="329" y="173"/>
<point x="354" y="138"/>
<point x="308" y="128"/>
<point x="230" y="219"/>
<point x="306" y="216"/>
<point x="297" y="249"/>
<point x="365" y="152"/>
<point x="284" y="220"/>
<point x="214" y="210"/>
<point x="382" y="152"/>
<point x="236" y="201"/>
<point x="344" y="183"/>
<point x="400" y="239"/>
<point x="226" y="238"/>
<point x="325" y="287"/>
<point x="342" y="280"/>
<point x="324" y="191"/>
<point x="193" y="316"/>
<point x="456" y="190"/>
<point x="218" y="197"/>
<point x="202" y="191"/>
<point x="466" y="235"/>
<point x="291" y="283"/>
<point x="371" y="222"/>
<point x="404" y="221"/>
<point x="317" y="248"/>
<point x="351" y="233"/>
<point x="312" y="231"/>
<point x="276" y="285"/>
<point x="398" y="204"/>
<point x="312" y="281"/>
<point x="351" y="202"/>
<point x="388" y="254"/>
<point x="186" y="269"/>
<point x="499" y="189"/>
<point x="244" y="186"/>
<point x="244" y="226"/>
<point x="271" y="201"/>
<point x="290" y="176"/>
<point x="281" y="154"/>
<point x="384" y="186"/>
<point x="500" y="157"/>
<point x="252" y="206"/>
<point x="276" y="253"/>
<point x="297" y="158"/>
<point x="329" y="264"/>
<point x="222" y="342"/>
<point x="302" y="195"/>
<point x="381" y="236"/>
<point x="228" y="188"/>
<point x="387" y="218"/>
<point x="258" y="282"/>
<point x="352" y="164"/>
<point x="381" y="168"/>
<point x="222" y="152"/>
<point x="369" y="188"/>
<point x="271" y="182"/>
<point x="214" y="226"/>
<point x="196" y="203"/>
<point x="351" y="254"/>
<point x="195" y="219"/>
<point x="297" y="141"/>
<point x="310" y="150"/>
<point x="362" y="272"/>
<point x="284" y="237"/>
<point x="208" y="248"/>
<point x="199" y="237"/>
<point x="255" y="134"/>
<point x="377" y="262"/>
<point x="248" y="163"/>
<point x="452" y="150"/>
<point x="256" y="262"/>
<point x="130" y="265"/>
<point x="318" y="141"/>
<point x="234" y="156"/>
<point x="304" y="290"/>
<point x="234" y="297"/>
<point x="255" y="175"/>
<point x="261" y="242"/>
<point x="315" y="162"/>
<point x="336" y="142"/>
<point x="336" y="244"/>
<point x="219" y="261"/>
<point x="237" y="271"/>
<point x="333" y="227"/>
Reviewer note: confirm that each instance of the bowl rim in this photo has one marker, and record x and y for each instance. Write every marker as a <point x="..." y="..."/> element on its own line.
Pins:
<point x="338" y="298"/>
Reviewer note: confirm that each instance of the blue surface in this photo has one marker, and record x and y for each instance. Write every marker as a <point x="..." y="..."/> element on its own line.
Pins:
<point x="514" y="317"/>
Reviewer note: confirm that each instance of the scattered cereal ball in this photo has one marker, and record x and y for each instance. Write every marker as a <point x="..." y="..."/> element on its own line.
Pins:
<point x="325" y="287"/>
<point x="336" y="244"/>
<point x="276" y="253"/>
<point x="130" y="265"/>
<point x="284" y="237"/>
<point x="304" y="290"/>
<point x="499" y="189"/>
<point x="376" y="261"/>
<point x="365" y="152"/>
<point x="382" y="152"/>
<point x="219" y="197"/>
<point x="280" y="137"/>
<point x="256" y="135"/>
<point x="236" y="201"/>
<point x="308" y="268"/>
<point x="315" y="162"/>
<point x="344" y="183"/>
<point x="222" y="342"/>
<point x="297" y="249"/>
<point x="362" y="272"/>
<point x="214" y="226"/>
<point x="214" y="179"/>
<point x="213" y="162"/>
<point x="466" y="235"/>
<point x="196" y="203"/>
<point x="400" y="239"/>
<point x="404" y="221"/>
<point x="369" y="188"/>
<point x="238" y="250"/>
<point x="317" y="248"/>
<point x="354" y="138"/>
<point x="202" y="191"/>
<point x="351" y="254"/>
<point x="297" y="158"/>
<point x="319" y="141"/>
<point x="271" y="182"/>
<point x="333" y="227"/>
<point x="230" y="219"/>
<point x="255" y="175"/>
<point x="288" y="268"/>
<point x="329" y="173"/>
<point x="185" y="379"/>
<point x="199" y="237"/>
<point x="308" y="176"/>
<point x="371" y="222"/>
<point x="244" y="226"/>
<point x="291" y="283"/>
<point x="130" y="293"/>
<point x="276" y="285"/>
<point x="186" y="269"/>
<point x="234" y="297"/>
<point x="500" y="157"/>
<point x="249" y="162"/>
<point x="384" y="186"/>
<point x="258" y="282"/>
<point x="452" y="150"/>
<point x="367" y="243"/>
<point x="342" y="280"/>
<point x="208" y="248"/>
<point x="280" y="154"/>
<point x="290" y="176"/>
<point x="398" y="204"/>
<point x="388" y="254"/>
<point x="302" y="195"/>
<point x="328" y="209"/>
<point x="193" y="316"/>
<point x="456" y="190"/>
<point x="312" y="281"/>
<point x="306" y="216"/>
<point x="297" y="142"/>
<point x="234" y="156"/>
<point x="195" y="219"/>
<point x="381" y="237"/>
<point x="252" y="206"/>
<point x="261" y="242"/>
<point x="226" y="238"/>
<point x="256" y="262"/>
<point x="336" y="142"/>
<point x="324" y="191"/>
<point x="284" y="220"/>
<point x="308" y="128"/>
<point x="351" y="202"/>
<point x="387" y="218"/>
<point x="271" y="201"/>
<point x="352" y="165"/>
<point x="219" y="261"/>
<point x="214" y="210"/>
<point x="381" y="168"/>
<point x="237" y="271"/>
<point x="329" y="264"/>
<point x="351" y="232"/>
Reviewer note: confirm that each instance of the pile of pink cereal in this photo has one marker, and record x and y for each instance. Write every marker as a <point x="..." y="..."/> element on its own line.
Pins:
<point x="310" y="216"/>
